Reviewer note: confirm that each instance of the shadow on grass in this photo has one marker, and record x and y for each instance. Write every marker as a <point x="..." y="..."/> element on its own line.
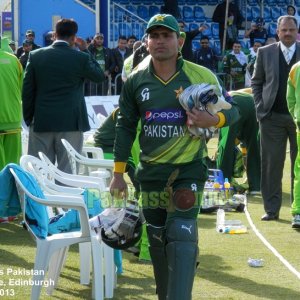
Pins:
<point x="14" y="260"/>
<point x="215" y="273"/>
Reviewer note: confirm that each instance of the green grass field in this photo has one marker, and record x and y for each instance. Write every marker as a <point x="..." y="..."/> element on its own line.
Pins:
<point x="223" y="272"/>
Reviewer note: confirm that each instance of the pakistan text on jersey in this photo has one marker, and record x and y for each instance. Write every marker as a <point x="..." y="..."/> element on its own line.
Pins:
<point x="163" y="131"/>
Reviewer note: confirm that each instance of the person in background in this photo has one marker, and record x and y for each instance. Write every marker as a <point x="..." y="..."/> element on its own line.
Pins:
<point x="293" y="11"/>
<point x="187" y="49"/>
<point x="234" y="22"/>
<point x="130" y="42"/>
<point x="140" y="53"/>
<point x="171" y="7"/>
<point x="52" y="95"/>
<point x="257" y="32"/>
<point x="106" y="62"/>
<point x="251" y="62"/>
<point x="11" y="76"/>
<point x="120" y="53"/>
<point x="12" y="45"/>
<point x="206" y="56"/>
<point x="30" y="36"/>
<point x="128" y="63"/>
<point x="244" y="131"/>
<point x="27" y="47"/>
<point x="293" y="103"/>
<point x="235" y="64"/>
<point x="171" y="171"/>
<point x="276" y="125"/>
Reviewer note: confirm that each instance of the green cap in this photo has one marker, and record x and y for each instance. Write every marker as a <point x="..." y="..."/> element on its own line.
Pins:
<point x="167" y="21"/>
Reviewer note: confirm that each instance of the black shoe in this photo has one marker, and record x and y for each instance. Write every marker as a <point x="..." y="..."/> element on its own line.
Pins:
<point x="270" y="217"/>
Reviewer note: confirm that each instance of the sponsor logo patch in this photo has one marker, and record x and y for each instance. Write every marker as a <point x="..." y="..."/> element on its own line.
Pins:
<point x="172" y="115"/>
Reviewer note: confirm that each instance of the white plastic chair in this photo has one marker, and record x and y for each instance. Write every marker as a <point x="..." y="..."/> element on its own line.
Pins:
<point x="105" y="166"/>
<point x="47" y="173"/>
<point x="56" y="245"/>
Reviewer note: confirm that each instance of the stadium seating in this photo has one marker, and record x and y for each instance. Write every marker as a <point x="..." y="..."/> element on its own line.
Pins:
<point x="124" y="29"/>
<point x="188" y="14"/>
<point x="132" y="9"/>
<point x="147" y="2"/>
<point x="252" y="3"/>
<point x="207" y="31"/>
<point x="114" y="32"/>
<point x="193" y="26"/>
<point x="195" y="45"/>
<point x="272" y="29"/>
<point x="275" y="13"/>
<point x="137" y="29"/>
<point x="282" y="3"/>
<point x="193" y="14"/>
<point x="218" y="47"/>
<point x="199" y="15"/>
<point x="255" y="10"/>
<point x="212" y="2"/>
<point x="215" y="30"/>
<point x="271" y="2"/>
<point x="247" y="14"/>
<point x="267" y="14"/>
<point x="153" y="10"/>
<point x="143" y="12"/>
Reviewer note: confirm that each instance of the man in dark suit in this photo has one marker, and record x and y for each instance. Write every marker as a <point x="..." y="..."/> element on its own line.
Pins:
<point x="269" y="85"/>
<point x="120" y="53"/>
<point x="53" y="101"/>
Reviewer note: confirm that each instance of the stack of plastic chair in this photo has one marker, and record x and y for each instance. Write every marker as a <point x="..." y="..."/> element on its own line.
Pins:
<point x="47" y="175"/>
<point x="76" y="159"/>
<point x="50" y="248"/>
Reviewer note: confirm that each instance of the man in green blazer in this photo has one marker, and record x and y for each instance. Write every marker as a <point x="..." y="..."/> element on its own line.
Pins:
<point x="53" y="99"/>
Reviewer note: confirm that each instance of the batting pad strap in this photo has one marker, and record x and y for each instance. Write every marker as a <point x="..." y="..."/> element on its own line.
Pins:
<point x="222" y="120"/>
<point x="119" y="167"/>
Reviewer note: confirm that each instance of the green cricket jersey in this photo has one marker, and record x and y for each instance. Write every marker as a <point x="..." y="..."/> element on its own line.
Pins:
<point x="164" y="136"/>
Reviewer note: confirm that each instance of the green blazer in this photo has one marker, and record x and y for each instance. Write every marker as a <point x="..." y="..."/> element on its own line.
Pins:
<point x="52" y="95"/>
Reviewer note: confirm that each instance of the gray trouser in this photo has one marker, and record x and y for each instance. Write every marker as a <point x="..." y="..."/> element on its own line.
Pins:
<point x="275" y="130"/>
<point x="50" y="144"/>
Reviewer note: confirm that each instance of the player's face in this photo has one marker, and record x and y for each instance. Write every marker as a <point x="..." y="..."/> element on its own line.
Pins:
<point x="163" y="44"/>
<point x="287" y="32"/>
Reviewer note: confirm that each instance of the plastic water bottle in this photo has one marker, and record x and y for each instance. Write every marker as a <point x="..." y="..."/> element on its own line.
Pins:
<point x="235" y="229"/>
<point x="220" y="220"/>
<point x="216" y="184"/>
<point x="226" y="187"/>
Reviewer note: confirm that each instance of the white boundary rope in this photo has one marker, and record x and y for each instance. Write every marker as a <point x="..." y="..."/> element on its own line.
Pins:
<point x="268" y="245"/>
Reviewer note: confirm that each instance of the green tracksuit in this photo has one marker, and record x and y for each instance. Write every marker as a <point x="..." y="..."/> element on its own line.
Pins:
<point x="245" y="130"/>
<point x="293" y="102"/>
<point x="11" y="75"/>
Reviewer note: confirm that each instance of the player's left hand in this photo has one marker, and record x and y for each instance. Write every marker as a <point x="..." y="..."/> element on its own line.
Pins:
<point x="202" y="118"/>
